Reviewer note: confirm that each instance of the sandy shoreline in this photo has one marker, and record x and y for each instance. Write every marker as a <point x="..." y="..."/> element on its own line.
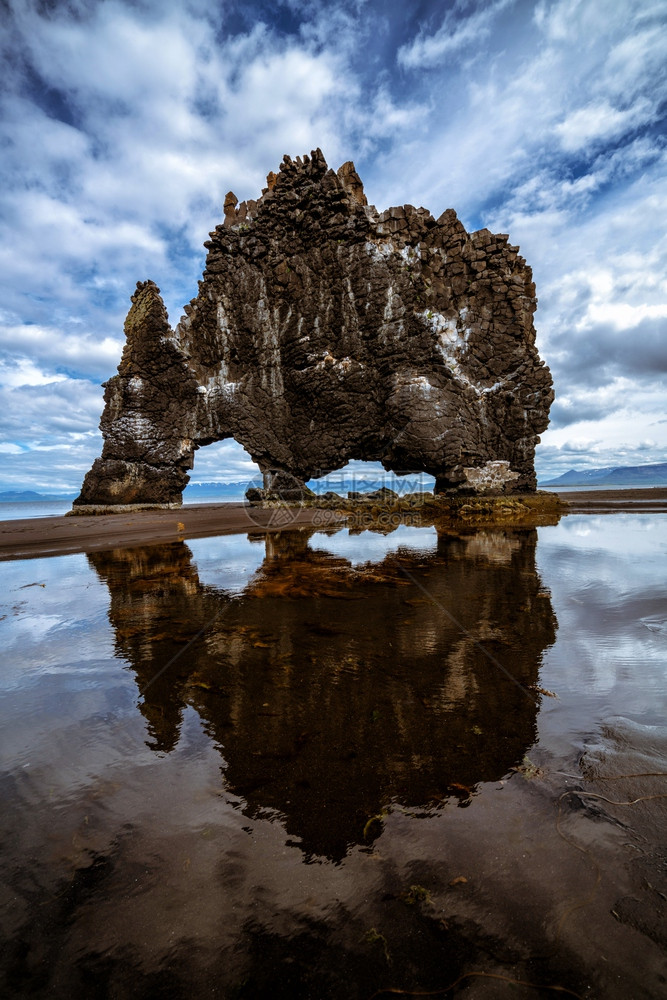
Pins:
<point x="45" y="536"/>
<point x="646" y="500"/>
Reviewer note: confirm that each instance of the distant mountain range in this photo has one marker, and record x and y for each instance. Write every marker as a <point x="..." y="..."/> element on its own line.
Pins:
<point x="236" y="490"/>
<point x="201" y="490"/>
<point x="620" y="475"/>
<point x="341" y="485"/>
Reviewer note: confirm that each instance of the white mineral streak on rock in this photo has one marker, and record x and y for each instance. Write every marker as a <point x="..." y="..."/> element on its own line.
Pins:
<point x="490" y="477"/>
<point x="286" y="321"/>
<point x="223" y="371"/>
<point x="379" y="251"/>
<point x="184" y="447"/>
<point x="221" y="315"/>
<point x="389" y="306"/>
<point x="421" y="384"/>
<point x="451" y="340"/>
<point x="271" y="378"/>
<point x="218" y="385"/>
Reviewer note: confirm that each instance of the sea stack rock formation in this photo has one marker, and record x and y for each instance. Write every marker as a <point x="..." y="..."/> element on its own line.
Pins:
<point x="325" y="331"/>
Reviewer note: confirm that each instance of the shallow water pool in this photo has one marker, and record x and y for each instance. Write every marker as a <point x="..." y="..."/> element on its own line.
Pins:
<point x="337" y="765"/>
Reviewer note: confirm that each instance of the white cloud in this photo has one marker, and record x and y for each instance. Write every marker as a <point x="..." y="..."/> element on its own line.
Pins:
<point x="621" y="315"/>
<point x="531" y="94"/>
<point x="52" y="426"/>
<point x="613" y="432"/>
<point x="16" y="372"/>
<point x="223" y="462"/>
<point x="454" y="36"/>
<point x="584" y="21"/>
<point x="600" y="121"/>
<point x="48" y="412"/>
<point x="639" y="58"/>
<point x="83" y="55"/>
<point x="84" y="353"/>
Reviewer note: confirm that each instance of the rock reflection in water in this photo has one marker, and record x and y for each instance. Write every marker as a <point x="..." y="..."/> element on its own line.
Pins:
<point x="332" y="690"/>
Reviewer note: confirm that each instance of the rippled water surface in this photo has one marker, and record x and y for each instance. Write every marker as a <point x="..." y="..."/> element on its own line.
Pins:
<point x="335" y="765"/>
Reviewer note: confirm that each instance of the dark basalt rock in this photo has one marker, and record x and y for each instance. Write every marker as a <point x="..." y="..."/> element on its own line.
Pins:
<point x="322" y="332"/>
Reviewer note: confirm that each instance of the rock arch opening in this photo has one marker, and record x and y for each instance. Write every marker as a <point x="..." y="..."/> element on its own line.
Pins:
<point x="223" y="470"/>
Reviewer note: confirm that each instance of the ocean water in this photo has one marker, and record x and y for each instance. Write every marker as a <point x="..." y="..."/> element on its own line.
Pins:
<point x="53" y="508"/>
<point x="10" y="511"/>
<point x="338" y="765"/>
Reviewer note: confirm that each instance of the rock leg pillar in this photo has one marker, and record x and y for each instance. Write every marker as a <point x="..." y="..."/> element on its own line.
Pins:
<point x="149" y="416"/>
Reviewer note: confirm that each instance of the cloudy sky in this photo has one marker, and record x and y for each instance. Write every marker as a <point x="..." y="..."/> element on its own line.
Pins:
<point x="125" y="122"/>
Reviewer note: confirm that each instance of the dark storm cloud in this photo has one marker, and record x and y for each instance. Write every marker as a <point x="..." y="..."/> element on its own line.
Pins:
<point x="603" y="351"/>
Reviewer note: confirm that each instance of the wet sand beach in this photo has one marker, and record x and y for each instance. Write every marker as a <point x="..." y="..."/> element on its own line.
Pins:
<point x="651" y="500"/>
<point x="33" y="537"/>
